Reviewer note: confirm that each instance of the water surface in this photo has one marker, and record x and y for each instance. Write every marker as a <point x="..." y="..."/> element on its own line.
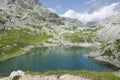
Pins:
<point x="54" y="58"/>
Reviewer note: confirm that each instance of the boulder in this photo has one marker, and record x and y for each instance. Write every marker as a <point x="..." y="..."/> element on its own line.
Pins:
<point x="16" y="73"/>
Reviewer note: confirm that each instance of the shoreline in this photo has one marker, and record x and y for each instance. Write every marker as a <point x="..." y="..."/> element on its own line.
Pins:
<point x="22" y="51"/>
<point x="102" y="59"/>
<point x="97" y="56"/>
<point x="67" y="75"/>
<point x="28" y="48"/>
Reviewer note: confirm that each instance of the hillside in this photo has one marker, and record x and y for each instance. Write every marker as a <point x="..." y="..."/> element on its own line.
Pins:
<point x="111" y="29"/>
<point x="109" y="36"/>
<point x="32" y="15"/>
<point x="28" y="22"/>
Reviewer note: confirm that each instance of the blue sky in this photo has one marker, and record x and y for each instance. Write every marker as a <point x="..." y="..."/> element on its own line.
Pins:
<point x="68" y="8"/>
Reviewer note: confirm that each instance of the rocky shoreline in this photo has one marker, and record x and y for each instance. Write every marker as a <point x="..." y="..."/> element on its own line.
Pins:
<point x="83" y="75"/>
<point x="49" y="77"/>
<point x="24" y="50"/>
<point x="97" y="56"/>
<point x="22" y="76"/>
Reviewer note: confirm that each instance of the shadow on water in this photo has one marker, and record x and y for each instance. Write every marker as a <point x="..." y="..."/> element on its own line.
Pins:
<point x="55" y="58"/>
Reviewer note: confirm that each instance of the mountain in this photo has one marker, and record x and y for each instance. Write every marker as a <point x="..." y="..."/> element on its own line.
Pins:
<point x="28" y="22"/>
<point x="111" y="28"/>
<point x="33" y="15"/>
<point x="109" y="36"/>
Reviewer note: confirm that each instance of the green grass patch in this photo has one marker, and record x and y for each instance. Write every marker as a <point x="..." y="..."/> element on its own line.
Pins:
<point x="33" y="73"/>
<point x="71" y="29"/>
<point x="12" y="41"/>
<point x="117" y="43"/>
<point x="106" y="47"/>
<point x="108" y="53"/>
<point x="83" y="73"/>
<point x="81" y="36"/>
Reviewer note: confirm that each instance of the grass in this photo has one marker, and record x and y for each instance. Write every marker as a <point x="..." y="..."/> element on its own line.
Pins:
<point x="117" y="43"/>
<point x="53" y="15"/>
<point x="83" y="73"/>
<point x="11" y="41"/>
<point x="71" y="29"/>
<point x="107" y="48"/>
<point x="108" y="53"/>
<point x="81" y="36"/>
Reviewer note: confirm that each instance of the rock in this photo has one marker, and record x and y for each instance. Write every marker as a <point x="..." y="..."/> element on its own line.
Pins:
<point x="94" y="54"/>
<point x="71" y="77"/>
<point x="110" y="30"/>
<point x="32" y="15"/>
<point x="109" y="35"/>
<point x="16" y="73"/>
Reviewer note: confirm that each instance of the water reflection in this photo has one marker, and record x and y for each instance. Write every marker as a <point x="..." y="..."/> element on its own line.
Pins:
<point x="55" y="58"/>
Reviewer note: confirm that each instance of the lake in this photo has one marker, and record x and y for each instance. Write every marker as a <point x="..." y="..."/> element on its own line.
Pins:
<point x="55" y="58"/>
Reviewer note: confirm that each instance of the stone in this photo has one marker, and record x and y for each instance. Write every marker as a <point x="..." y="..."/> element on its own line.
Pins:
<point x="16" y="73"/>
<point x="32" y="15"/>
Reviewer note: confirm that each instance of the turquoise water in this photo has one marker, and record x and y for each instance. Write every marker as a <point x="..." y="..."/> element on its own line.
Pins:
<point x="54" y="58"/>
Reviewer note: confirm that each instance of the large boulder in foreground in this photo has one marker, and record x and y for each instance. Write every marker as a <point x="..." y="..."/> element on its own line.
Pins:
<point x="16" y="74"/>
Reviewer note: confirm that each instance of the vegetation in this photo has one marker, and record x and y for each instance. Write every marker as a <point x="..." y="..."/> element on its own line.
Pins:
<point x="53" y="15"/>
<point x="81" y="36"/>
<point x="2" y="20"/>
<point x="71" y="29"/>
<point x="16" y="78"/>
<point x="117" y="43"/>
<point x="110" y="47"/>
<point x="12" y="41"/>
<point x="108" y="53"/>
<point x="87" y="74"/>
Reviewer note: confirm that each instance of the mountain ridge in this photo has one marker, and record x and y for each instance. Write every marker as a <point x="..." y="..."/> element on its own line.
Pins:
<point x="109" y="36"/>
<point x="30" y="9"/>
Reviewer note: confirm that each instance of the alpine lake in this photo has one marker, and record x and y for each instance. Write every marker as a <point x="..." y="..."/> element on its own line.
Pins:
<point x="55" y="58"/>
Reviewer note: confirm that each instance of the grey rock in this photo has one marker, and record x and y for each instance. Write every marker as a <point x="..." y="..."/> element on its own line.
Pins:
<point x="110" y="30"/>
<point x="31" y="14"/>
<point x="109" y="34"/>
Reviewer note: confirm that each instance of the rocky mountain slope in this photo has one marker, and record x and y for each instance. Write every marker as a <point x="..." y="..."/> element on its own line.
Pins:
<point x="31" y="14"/>
<point x="111" y="28"/>
<point x="109" y="35"/>
<point x="28" y="22"/>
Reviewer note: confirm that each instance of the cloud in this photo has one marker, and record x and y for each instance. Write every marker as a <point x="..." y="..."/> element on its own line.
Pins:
<point x="52" y="10"/>
<point x="56" y="8"/>
<point x="96" y="15"/>
<point x="94" y="5"/>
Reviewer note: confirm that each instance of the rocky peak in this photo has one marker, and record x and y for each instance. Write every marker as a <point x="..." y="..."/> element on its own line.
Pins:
<point x="110" y="30"/>
<point x="31" y="14"/>
<point x="31" y="3"/>
<point x="6" y="3"/>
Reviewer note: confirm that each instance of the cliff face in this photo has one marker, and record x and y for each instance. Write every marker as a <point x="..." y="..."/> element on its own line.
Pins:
<point x="109" y="35"/>
<point x="111" y="29"/>
<point x="31" y="14"/>
<point x="30" y="3"/>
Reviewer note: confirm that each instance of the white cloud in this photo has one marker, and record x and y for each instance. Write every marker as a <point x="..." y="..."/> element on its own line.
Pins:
<point x="52" y="10"/>
<point x="56" y="8"/>
<point x="96" y="15"/>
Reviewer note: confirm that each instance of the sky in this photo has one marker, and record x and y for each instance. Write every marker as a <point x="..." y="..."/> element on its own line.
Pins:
<point x="87" y="11"/>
